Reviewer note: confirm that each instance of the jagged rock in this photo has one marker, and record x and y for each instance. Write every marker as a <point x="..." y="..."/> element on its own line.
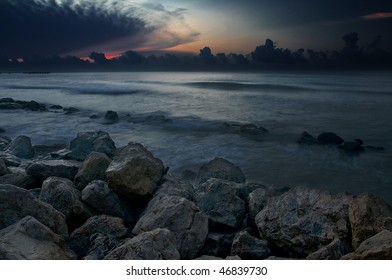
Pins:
<point x="378" y="247"/>
<point x="98" y="195"/>
<point x="221" y="169"/>
<point x="158" y="244"/>
<point x="218" y="244"/>
<point x="368" y="215"/>
<point x="43" y="169"/>
<point x="134" y="172"/>
<point x="111" y="116"/>
<point x="225" y="210"/>
<point x="350" y="146"/>
<point x="306" y="138"/>
<point x="20" y="179"/>
<point x="110" y="229"/>
<point x="258" y="199"/>
<point x="16" y="203"/>
<point x="333" y="251"/>
<point x="93" y="168"/>
<point x="303" y="220"/>
<point x="3" y="169"/>
<point x="28" y="239"/>
<point x="171" y="185"/>
<point x="248" y="247"/>
<point x="4" y="142"/>
<point x="64" y="197"/>
<point x="21" y="147"/>
<point x="33" y="106"/>
<point x="329" y="138"/>
<point x="183" y="217"/>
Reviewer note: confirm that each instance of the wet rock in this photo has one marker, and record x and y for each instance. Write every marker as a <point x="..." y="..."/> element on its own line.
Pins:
<point x="253" y="131"/>
<point x="158" y="244"/>
<point x="218" y="244"/>
<point x="33" y="106"/>
<point x="28" y="239"/>
<point x="10" y="106"/>
<point x="16" y="203"/>
<point x="94" y="117"/>
<point x="182" y="217"/>
<point x="171" y="185"/>
<point x="303" y="220"/>
<point x="111" y="116"/>
<point x="134" y="172"/>
<point x="308" y="139"/>
<point x="221" y="169"/>
<point x="70" y="110"/>
<point x="368" y="215"/>
<point x="378" y="247"/>
<point x="3" y="169"/>
<point x="351" y="146"/>
<point x="7" y="100"/>
<point x="248" y="247"/>
<point x="96" y="229"/>
<point x="20" y="179"/>
<point x="21" y="147"/>
<point x="333" y="251"/>
<point x="10" y="160"/>
<point x="93" y="168"/>
<point x="4" y="142"/>
<point x="329" y="138"/>
<point x="56" y="107"/>
<point x="43" y="169"/>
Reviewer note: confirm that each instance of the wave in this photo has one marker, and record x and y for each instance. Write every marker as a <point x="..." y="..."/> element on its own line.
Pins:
<point x="112" y="92"/>
<point x="245" y="86"/>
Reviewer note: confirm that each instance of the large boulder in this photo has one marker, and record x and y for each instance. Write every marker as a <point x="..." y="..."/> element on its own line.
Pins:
<point x="93" y="168"/>
<point x="98" y="195"/>
<point x="17" y="203"/>
<point x="248" y="247"/>
<point x="87" y="142"/>
<point x="158" y="244"/>
<point x="111" y="116"/>
<point x="28" y="239"/>
<point x="44" y="169"/>
<point x="20" y="179"/>
<point x="329" y="138"/>
<point x="333" y="251"/>
<point x="21" y="147"/>
<point x="378" y="247"/>
<point x="10" y="160"/>
<point x="303" y="220"/>
<point x="181" y="216"/>
<point x="105" y="231"/>
<point x="368" y="215"/>
<point x="171" y="185"/>
<point x="218" y="244"/>
<point x="225" y="210"/>
<point x="3" y="168"/>
<point x="221" y="169"/>
<point x="64" y="197"/>
<point x="134" y="172"/>
<point x="258" y="199"/>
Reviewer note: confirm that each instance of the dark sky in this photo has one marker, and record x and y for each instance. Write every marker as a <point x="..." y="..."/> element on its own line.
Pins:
<point x="78" y="27"/>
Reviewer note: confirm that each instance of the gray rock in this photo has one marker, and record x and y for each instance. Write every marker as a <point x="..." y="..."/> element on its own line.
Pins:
<point x="16" y="203"/>
<point x="350" y="146"/>
<point x="378" y="247"/>
<point x="258" y="199"/>
<point x="221" y="169"/>
<point x="21" y="147"/>
<point x="157" y="119"/>
<point x="28" y="239"/>
<point x="93" y="168"/>
<point x="333" y="251"/>
<point x="10" y="106"/>
<point x="181" y="216"/>
<point x="20" y="179"/>
<point x="225" y="210"/>
<point x="171" y="185"/>
<point x="111" y="116"/>
<point x="329" y="138"/>
<point x="35" y="192"/>
<point x="10" y="160"/>
<point x="64" y="197"/>
<point x="98" y="195"/>
<point x="368" y="215"/>
<point x="3" y="168"/>
<point x="252" y="129"/>
<point x="248" y="247"/>
<point x="43" y="169"/>
<point x="134" y="172"/>
<point x="303" y="220"/>
<point x="218" y="244"/>
<point x="4" y="142"/>
<point x="308" y="139"/>
<point x="158" y="244"/>
<point x="110" y="229"/>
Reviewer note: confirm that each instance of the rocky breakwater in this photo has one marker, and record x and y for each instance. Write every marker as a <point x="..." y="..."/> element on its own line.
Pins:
<point x="96" y="201"/>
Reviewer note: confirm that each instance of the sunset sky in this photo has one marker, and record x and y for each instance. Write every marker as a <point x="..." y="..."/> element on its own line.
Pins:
<point x="78" y="27"/>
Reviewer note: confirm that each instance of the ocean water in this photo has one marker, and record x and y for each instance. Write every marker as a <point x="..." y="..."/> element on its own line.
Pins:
<point x="195" y="105"/>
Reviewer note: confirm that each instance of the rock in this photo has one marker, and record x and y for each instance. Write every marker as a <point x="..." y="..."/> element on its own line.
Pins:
<point x="35" y="192"/>
<point x="10" y="106"/>
<point x="373" y="148"/>
<point x="28" y="239"/>
<point x="134" y="172"/>
<point x="56" y="107"/>
<point x="252" y="129"/>
<point x="2" y="130"/>
<point x="96" y="229"/>
<point x="94" y="117"/>
<point x="368" y="215"/>
<point x="333" y="251"/>
<point x="248" y="247"/>
<point x="87" y="142"/>
<point x="33" y="106"/>
<point x="221" y="169"/>
<point x="350" y="146"/>
<point x="378" y="247"/>
<point x="157" y="119"/>
<point x="171" y="185"/>
<point x="208" y="258"/>
<point x="10" y="160"/>
<point x="20" y="179"/>
<point x="43" y="151"/>
<point x="111" y="116"/>
<point x="218" y="244"/>
<point x="64" y="197"/>
<point x="3" y="169"/>
<point x="181" y="216"/>
<point x="93" y="168"/>
<point x="329" y="138"/>
<point x="302" y="221"/>
<point x="306" y="138"/>
<point x="98" y="195"/>
<point x="258" y="199"/>
<point x="158" y="244"/>
<point x="70" y="110"/>
<point x="21" y="147"/>
<point x="16" y="203"/>
<point x="359" y="141"/>
<point x="225" y="210"/>
<point x="44" y="169"/>
<point x="6" y="100"/>
<point x="4" y="142"/>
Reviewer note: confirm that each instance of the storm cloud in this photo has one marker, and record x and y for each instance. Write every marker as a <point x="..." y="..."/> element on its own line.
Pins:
<point x="49" y="27"/>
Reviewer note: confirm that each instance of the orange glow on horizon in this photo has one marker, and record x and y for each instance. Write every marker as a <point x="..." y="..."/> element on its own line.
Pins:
<point x="112" y="55"/>
<point x="378" y="16"/>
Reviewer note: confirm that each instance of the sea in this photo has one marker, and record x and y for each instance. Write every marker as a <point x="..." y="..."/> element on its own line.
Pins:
<point x="182" y="117"/>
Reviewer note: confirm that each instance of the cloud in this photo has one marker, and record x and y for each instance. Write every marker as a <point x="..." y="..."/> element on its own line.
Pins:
<point x="48" y="27"/>
<point x="378" y="16"/>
